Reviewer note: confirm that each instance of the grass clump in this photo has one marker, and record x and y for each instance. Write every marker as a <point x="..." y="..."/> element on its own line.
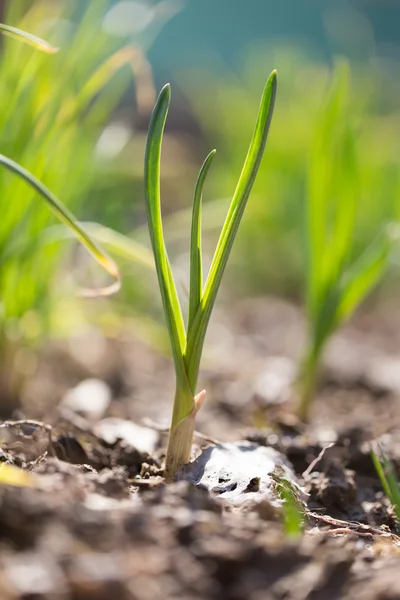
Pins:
<point x="16" y="211"/>
<point x="336" y="282"/>
<point x="52" y="112"/>
<point x="187" y="342"/>
<point x="53" y="107"/>
<point x="56" y="206"/>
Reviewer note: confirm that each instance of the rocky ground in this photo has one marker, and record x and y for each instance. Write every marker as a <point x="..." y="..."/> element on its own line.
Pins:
<point x="86" y="514"/>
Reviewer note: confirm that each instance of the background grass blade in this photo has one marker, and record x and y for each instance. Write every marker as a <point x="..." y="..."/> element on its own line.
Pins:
<point x="323" y="183"/>
<point x="196" y="268"/>
<point x="120" y="244"/>
<point x="335" y="185"/>
<point x="28" y="38"/>
<point x="364" y="274"/>
<point x="252" y="162"/>
<point x="69" y="220"/>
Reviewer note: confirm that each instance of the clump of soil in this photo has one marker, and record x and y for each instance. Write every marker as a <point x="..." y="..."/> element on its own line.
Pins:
<point x="95" y="519"/>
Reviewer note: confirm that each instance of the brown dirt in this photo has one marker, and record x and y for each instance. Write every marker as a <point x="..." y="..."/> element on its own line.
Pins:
<point x="98" y="521"/>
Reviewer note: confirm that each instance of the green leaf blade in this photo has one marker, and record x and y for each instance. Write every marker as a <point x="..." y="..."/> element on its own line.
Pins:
<point x="196" y="268"/>
<point x="28" y="38"/>
<point x="170" y="301"/>
<point x="197" y="332"/>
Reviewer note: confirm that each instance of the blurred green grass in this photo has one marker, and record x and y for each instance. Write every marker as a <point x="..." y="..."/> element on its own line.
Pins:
<point x="45" y="124"/>
<point x="270" y="253"/>
<point x="54" y="114"/>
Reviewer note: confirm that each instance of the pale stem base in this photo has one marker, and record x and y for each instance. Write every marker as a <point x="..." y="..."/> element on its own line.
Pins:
<point x="181" y="439"/>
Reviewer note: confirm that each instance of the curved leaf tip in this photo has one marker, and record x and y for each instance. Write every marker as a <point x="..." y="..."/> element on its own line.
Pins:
<point x="165" y="93"/>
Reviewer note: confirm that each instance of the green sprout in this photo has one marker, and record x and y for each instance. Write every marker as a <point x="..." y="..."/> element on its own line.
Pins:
<point x="293" y="509"/>
<point x="388" y="478"/>
<point x="336" y="282"/>
<point x="187" y="343"/>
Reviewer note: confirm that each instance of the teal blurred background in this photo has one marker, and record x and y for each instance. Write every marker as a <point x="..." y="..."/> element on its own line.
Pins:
<point x="362" y="29"/>
<point x="78" y="120"/>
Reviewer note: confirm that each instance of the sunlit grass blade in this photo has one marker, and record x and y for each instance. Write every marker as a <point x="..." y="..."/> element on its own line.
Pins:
<point x="172" y="310"/>
<point x="197" y="332"/>
<point x="120" y="244"/>
<point x="66" y="217"/>
<point x="28" y="38"/>
<point x="196" y="267"/>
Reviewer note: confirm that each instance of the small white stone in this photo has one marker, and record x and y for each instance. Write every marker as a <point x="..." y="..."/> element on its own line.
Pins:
<point x="112" y="429"/>
<point x="385" y="374"/>
<point x="91" y="397"/>
<point x="240" y="472"/>
<point x="274" y="383"/>
<point x="34" y="574"/>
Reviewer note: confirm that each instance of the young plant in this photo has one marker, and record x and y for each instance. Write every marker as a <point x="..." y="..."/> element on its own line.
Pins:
<point x="388" y="478"/>
<point x="336" y="283"/>
<point x="187" y="343"/>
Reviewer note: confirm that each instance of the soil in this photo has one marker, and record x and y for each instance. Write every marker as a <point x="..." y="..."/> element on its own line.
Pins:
<point x="95" y="519"/>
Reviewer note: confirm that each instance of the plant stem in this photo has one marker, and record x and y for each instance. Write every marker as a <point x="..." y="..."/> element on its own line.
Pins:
<point x="181" y="432"/>
<point x="308" y="380"/>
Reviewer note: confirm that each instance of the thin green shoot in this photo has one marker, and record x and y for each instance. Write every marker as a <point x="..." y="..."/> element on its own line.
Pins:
<point x="388" y="478"/>
<point x="196" y="266"/>
<point x="119" y="244"/>
<point x="292" y="508"/>
<point x="187" y="344"/>
<point x="336" y="283"/>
